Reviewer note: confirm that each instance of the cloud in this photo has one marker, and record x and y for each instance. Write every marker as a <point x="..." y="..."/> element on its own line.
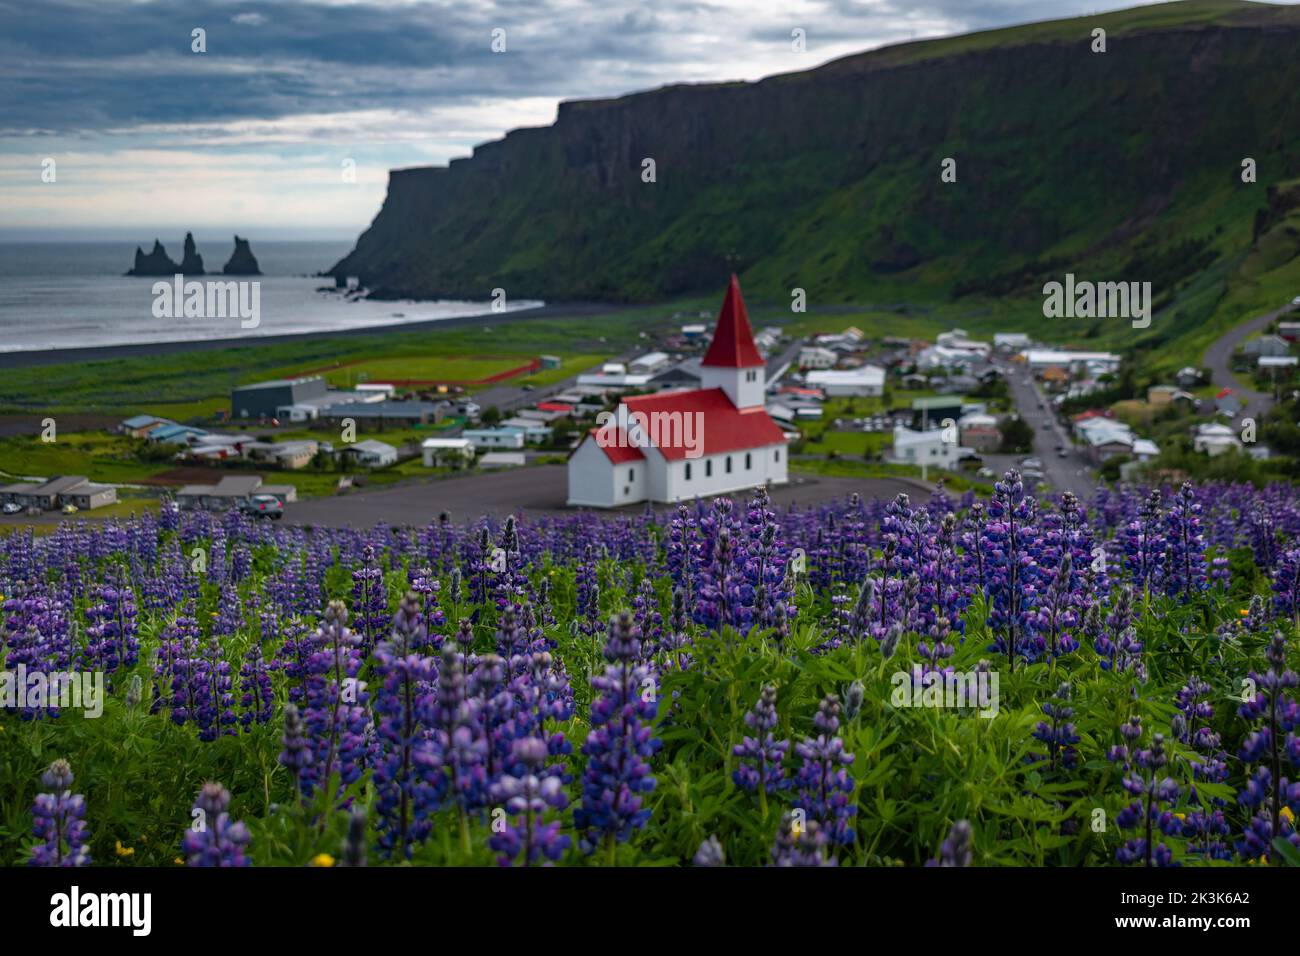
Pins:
<point x="391" y="83"/>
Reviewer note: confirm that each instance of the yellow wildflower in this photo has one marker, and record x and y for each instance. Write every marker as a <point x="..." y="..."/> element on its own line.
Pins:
<point x="123" y="851"/>
<point x="322" y="859"/>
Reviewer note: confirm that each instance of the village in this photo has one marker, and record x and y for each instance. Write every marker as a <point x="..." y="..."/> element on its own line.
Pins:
<point x="955" y="408"/>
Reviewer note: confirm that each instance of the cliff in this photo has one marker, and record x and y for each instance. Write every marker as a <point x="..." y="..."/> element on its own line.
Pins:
<point x="1126" y="161"/>
<point x="155" y="263"/>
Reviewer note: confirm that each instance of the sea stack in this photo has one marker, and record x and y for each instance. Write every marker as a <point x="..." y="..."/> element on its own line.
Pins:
<point x="192" y="263"/>
<point x="156" y="263"/>
<point x="242" y="262"/>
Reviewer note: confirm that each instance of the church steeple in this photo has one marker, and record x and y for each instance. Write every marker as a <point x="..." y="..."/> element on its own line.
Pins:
<point x="732" y="361"/>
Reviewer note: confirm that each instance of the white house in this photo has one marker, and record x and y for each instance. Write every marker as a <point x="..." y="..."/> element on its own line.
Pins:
<point x="814" y="356"/>
<point x="1215" y="439"/>
<point x="685" y="444"/>
<point x="861" y="382"/>
<point x="1010" y="341"/>
<point x="926" y="448"/>
<point x="649" y="363"/>
<point x="495" y="437"/>
<point x="372" y="454"/>
<point x="447" y="451"/>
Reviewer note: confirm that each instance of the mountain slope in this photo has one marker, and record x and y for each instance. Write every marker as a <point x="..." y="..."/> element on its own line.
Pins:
<point x="1116" y="165"/>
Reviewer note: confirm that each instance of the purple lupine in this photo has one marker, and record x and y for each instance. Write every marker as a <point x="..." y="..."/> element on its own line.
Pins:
<point x="370" y="617"/>
<point x="296" y="754"/>
<point x="955" y="851"/>
<point x="620" y="743"/>
<point x="1275" y="715"/>
<point x="801" y="843"/>
<point x="1144" y="544"/>
<point x="257" y="698"/>
<point x="1204" y="823"/>
<point x="1144" y="781"/>
<point x="1184" y="562"/>
<point x="408" y="778"/>
<point x="526" y="796"/>
<point x="111" y="628"/>
<point x="762" y="756"/>
<point x="1058" y="732"/>
<point x="58" y="821"/>
<point x="1011" y="574"/>
<point x="336" y="713"/>
<point x="1286" y="586"/>
<point x="213" y="839"/>
<point x="825" y="788"/>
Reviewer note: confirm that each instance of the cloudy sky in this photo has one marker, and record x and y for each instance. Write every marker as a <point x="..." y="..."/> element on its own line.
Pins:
<point x="254" y="133"/>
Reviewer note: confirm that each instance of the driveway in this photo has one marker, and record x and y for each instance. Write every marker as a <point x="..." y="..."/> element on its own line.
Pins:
<point x="541" y="489"/>
<point x="1218" y="359"/>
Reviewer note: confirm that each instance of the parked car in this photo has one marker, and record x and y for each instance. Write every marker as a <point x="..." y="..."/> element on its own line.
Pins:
<point x="1063" y="452"/>
<point x="264" y="506"/>
<point x="1031" y="474"/>
<point x="985" y="473"/>
<point x="12" y="508"/>
<point x="70" y="509"/>
<point x="1031" y="464"/>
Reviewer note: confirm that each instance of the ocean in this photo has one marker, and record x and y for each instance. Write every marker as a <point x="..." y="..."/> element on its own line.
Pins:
<point x="63" y="295"/>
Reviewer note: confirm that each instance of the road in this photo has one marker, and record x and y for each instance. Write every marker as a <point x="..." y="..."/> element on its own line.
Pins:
<point x="1072" y="473"/>
<point x="537" y="490"/>
<point x="1218" y="359"/>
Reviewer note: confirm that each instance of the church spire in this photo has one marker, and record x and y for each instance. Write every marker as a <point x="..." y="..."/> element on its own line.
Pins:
<point x="733" y="339"/>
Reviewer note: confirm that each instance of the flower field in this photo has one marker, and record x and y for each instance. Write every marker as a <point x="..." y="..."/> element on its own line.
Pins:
<point x="943" y="682"/>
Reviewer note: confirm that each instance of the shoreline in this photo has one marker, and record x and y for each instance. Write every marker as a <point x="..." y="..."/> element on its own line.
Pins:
<point x="105" y="353"/>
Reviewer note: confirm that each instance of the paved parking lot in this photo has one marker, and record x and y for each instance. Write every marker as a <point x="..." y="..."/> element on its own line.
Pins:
<point x="536" y="490"/>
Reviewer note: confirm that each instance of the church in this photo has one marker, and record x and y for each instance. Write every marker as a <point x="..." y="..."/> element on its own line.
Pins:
<point x="677" y="445"/>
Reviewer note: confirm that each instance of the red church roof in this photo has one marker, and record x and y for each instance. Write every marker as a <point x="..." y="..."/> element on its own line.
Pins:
<point x="725" y="427"/>
<point x="620" y="450"/>
<point x="733" y="339"/>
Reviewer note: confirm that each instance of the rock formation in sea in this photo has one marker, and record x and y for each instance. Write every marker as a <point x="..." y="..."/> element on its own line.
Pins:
<point x="156" y="263"/>
<point x="192" y="264"/>
<point x="242" y="261"/>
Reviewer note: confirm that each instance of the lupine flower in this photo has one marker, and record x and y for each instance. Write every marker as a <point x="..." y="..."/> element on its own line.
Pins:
<point x="956" y="849"/>
<point x="58" y="821"/>
<point x="1058" y="732"/>
<point x="710" y="853"/>
<point x="1276" y="715"/>
<point x="825" y="788"/>
<point x="801" y="843"/>
<point x="1144" y="780"/>
<point x="526" y="797"/>
<point x="620" y="742"/>
<point x="213" y="839"/>
<point x="761" y="756"/>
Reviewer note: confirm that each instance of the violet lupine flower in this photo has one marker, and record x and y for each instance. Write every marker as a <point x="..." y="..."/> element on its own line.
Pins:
<point x="761" y="756"/>
<point x="461" y="741"/>
<point x="1274" y="743"/>
<point x="408" y="776"/>
<point x="1011" y="573"/>
<point x="620" y="742"/>
<point x="1286" y="586"/>
<point x="297" y="753"/>
<point x="258" y="698"/>
<point x="58" y="821"/>
<point x="801" y="843"/>
<point x="337" y="715"/>
<point x="1144" y="544"/>
<point x="1184" y="562"/>
<point x="955" y="851"/>
<point x="825" y="788"/>
<point x="1204" y="823"/>
<point x="1143" y="779"/>
<point x="710" y="853"/>
<point x="111" y="628"/>
<point x="1058" y="732"/>
<point x="526" y="797"/>
<point x="213" y="839"/>
<point x="369" y="602"/>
